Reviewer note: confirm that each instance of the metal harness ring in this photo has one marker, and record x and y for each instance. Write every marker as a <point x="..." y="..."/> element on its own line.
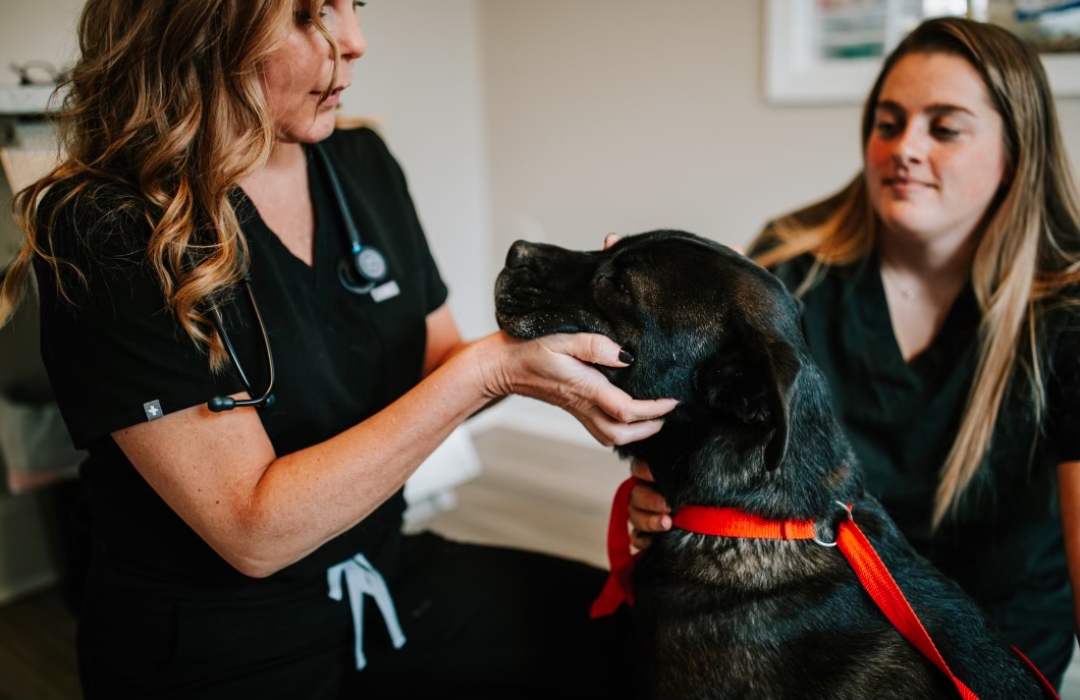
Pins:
<point x="847" y="510"/>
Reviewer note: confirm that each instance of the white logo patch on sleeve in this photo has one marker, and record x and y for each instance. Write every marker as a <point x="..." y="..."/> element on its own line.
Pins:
<point x="153" y="409"/>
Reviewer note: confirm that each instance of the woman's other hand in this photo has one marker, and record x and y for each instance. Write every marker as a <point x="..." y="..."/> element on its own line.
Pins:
<point x="649" y="512"/>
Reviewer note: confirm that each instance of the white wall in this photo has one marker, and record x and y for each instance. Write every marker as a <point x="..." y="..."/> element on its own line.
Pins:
<point x="422" y="79"/>
<point x="628" y="115"/>
<point x="43" y="30"/>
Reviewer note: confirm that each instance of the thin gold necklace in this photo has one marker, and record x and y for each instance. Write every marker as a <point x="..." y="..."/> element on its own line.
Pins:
<point x="889" y="276"/>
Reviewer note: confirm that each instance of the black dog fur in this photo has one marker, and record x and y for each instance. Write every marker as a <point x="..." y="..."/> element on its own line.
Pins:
<point x="748" y="619"/>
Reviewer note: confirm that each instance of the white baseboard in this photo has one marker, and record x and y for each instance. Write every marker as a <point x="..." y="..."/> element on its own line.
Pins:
<point x="536" y="418"/>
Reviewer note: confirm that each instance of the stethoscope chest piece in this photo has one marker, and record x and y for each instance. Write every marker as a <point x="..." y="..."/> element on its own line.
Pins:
<point x="371" y="264"/>
<point x="366" y="269"/>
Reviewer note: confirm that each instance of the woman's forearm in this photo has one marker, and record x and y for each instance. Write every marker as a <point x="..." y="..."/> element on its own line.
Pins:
<point x="306" y="498"/>
<point x="261" y="512"/>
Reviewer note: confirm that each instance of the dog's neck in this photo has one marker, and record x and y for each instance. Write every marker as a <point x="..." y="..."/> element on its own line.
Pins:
<point x="818" y="468"/>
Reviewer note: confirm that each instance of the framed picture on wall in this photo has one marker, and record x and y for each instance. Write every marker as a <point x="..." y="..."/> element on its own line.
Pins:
<point x="830" y="51"/>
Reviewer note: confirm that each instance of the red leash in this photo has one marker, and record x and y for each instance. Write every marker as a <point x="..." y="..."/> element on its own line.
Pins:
<point x="730" y="522"/>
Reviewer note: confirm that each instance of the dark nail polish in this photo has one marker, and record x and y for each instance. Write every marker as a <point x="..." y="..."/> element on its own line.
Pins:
<point x="625" y="357"/>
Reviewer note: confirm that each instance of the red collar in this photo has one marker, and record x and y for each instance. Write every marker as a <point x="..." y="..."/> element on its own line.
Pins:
<point x="731" y="522"/>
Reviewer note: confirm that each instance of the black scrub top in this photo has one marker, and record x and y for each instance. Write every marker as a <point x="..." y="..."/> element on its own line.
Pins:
<point x="339" y="358"/>
<point x="1004" y="546"/>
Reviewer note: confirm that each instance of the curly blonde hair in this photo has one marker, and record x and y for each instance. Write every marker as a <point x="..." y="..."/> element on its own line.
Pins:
<point x="163" y="115"/>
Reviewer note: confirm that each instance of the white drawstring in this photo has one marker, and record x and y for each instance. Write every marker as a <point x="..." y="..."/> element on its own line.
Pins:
<point x="360" y="578"/>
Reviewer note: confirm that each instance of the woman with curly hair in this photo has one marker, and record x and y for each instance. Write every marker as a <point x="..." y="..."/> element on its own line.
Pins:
<point x="190" y="251"/>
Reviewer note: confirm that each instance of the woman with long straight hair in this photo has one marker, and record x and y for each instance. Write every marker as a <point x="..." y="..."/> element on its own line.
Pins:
<point x="941" y="291"/>
<point x="254" y="386"/>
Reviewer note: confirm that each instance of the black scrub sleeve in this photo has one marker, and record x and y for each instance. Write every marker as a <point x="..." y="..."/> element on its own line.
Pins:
<point x="1063" y="395"/>
<point x="115" y="353"/>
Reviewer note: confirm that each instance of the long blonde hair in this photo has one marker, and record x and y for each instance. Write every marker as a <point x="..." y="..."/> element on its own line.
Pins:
<point x="164" y="114"/>
<point x="1028" y="253"/>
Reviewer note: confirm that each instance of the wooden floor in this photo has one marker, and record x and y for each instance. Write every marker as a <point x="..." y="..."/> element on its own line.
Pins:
<point x="37" y="650"/>
<point x="534" y="493"/>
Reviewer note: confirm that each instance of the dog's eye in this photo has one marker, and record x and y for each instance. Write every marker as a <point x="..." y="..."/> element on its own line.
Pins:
<point x="616" y="282"/>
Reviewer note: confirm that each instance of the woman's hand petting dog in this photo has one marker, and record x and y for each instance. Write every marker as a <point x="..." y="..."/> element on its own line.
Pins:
<point x="649" y="512"/>
<point x="558" y="369"/>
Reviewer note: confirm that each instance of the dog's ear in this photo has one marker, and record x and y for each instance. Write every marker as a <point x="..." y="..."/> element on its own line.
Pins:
<point x="784" y="366"/>
<point x="756" y="384"/>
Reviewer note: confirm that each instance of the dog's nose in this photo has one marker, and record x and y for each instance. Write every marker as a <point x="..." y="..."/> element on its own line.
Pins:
<point x="520" y="254"/>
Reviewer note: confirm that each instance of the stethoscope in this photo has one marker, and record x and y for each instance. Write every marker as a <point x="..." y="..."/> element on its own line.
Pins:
<point x="359" y="273"/>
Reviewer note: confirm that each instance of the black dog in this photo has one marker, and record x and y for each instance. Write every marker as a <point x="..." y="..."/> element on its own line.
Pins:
<point x="717" y="617"/>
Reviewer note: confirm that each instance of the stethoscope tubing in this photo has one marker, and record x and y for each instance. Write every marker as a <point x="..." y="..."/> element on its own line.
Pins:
<point x="227" y="403"/>
<point x="358" y="252"/>
<point x="345" y="276"/>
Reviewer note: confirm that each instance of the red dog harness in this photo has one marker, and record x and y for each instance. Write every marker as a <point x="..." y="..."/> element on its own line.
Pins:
<point x="730" y="522"/>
